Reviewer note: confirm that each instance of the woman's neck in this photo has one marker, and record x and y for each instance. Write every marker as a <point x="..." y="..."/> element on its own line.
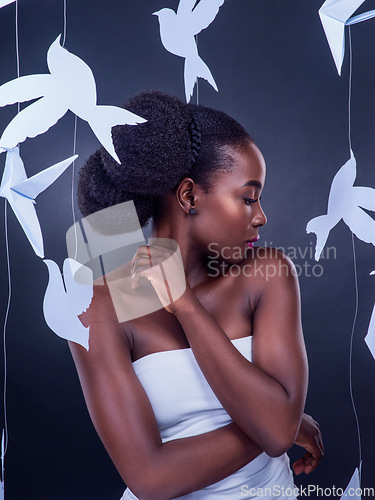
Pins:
<point x="193" y="257"/>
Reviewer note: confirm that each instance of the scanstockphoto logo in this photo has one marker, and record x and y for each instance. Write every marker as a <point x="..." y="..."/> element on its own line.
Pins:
<point x="303" y="259"/>
<point x="312" y="490"/>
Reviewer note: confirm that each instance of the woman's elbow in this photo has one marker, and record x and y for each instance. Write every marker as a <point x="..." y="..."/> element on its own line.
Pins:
<point x="276" y="444"/>
<point x="150" y="492"/>
<point x="279" y="449"/>
<point x="150" y="485"/>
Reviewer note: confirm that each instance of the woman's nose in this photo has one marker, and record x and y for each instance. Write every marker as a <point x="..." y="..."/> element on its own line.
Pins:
<point x="260" y="218"/>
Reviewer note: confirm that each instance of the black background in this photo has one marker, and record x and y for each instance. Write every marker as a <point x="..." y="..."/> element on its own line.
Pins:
<point x="276" y="75"/>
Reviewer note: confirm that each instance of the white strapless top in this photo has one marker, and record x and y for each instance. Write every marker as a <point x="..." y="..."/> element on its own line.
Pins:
<point x="185" y="405"/>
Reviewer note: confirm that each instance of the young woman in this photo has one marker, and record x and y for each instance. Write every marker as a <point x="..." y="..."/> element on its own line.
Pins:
<point x="202" y="398"/>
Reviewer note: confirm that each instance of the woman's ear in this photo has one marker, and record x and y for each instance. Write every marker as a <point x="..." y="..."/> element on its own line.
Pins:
<point x="186" y="194"/>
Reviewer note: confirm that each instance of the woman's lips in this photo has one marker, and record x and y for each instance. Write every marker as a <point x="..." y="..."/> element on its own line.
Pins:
<point x="249" y="243"/>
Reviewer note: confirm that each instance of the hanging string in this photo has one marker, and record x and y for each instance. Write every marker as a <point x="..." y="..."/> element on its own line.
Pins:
<point x="351" y="356"/>
<point x="74" y="152"/>
<point x="5" y="328"/>
<point x="73" y="172"/>
<point x="350" y="90"/>
<point x="355" y="270"/>
<point x="6" y="435"/>
<point x="64" y="35"/>
<point x="17" y="52"/>
<point x="196" y="40"/>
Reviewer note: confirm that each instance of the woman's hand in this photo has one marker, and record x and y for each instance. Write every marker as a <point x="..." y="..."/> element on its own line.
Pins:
<point x="162" y="266"/>
<point x="310" y="438"/>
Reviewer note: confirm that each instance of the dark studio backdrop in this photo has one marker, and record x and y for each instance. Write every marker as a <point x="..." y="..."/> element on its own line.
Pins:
<point x="276" y="75"/>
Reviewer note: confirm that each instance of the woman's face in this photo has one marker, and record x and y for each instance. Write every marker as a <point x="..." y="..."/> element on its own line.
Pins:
<point x="229" y="216"/>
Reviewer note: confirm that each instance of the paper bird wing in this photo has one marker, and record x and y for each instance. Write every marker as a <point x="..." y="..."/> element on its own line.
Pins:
<point x="333" y="15"/>
<point x="24" y="210"/>
<point x="3" y="3"/>
<point x="24" y="89"/>
<point x="353" y="486"/>
<point x="34" y="185"/>
<point x="340" y="10"/>
<point x="79" y="294"/>
<point x="14" y="170"/>
<point x="32" y="121"/>
<point x="361" y="17"/>
<point x="364" y="197"/>
<point x="103" y="118"/>
<point x="204" y="13"/>
<point x="185" y="7"/>
<point x="370" y="337"/>
<point x="361" y="224"/>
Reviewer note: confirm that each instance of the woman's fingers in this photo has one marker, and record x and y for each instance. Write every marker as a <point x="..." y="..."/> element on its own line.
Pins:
<point x="163" y="268"/>
<point x="299" y="466"/>
<point x="309" y="461"/>
<point x="153" y="254"/>
<point x="304" y="464"/>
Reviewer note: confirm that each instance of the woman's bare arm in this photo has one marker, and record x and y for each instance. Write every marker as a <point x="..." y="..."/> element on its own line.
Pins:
<point x="125" y="422"/>
<point x="264" y="397"/>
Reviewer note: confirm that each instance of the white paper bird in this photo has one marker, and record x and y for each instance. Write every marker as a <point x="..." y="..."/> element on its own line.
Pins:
<point x="62" y="306"/>
<point x="334" y="15"/>
<point x="3" y="3"/>
<point x="70" y="85"/>
<point x="345" y="202"/>
<point x="21" y="192"/>
<point x="177" y="31"/>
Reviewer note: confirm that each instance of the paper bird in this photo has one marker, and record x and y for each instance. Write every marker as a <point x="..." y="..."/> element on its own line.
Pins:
<point x="3" y="3"/>
<point x="21" y="191"/>
<point x="351" y="491"/>
<point x="370" y="337"/>
<point x="177" y="31"/>
<point x="344" y="202"/>
<point x="70" y="85"/>
<point x="62" y="306"/>
<point x="334" y="15"/>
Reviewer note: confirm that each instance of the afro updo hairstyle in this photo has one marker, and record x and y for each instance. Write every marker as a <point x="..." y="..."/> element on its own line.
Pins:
<point x="178" y="140"/>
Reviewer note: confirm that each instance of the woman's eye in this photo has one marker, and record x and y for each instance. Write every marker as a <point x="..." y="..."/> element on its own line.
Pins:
<point x="249" y="201"/>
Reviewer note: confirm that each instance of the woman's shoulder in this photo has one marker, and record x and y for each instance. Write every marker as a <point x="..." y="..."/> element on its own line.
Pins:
<point x="267" y="267"/>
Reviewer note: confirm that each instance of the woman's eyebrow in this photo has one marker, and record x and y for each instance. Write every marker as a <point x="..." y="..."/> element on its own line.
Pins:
<point x="256" y="184"/>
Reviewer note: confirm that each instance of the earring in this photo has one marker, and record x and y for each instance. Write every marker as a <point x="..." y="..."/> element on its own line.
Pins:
<point x="192" y="211"/>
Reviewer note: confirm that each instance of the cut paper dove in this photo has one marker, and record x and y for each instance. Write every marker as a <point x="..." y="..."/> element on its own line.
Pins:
<point x="345" y="202"/>
<point x="70" y="85"/>
<point x="335" y="15"/>
<point x="62" y="306"/>
<point x="177" y="31"/>
<point x="21" y="191"/>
